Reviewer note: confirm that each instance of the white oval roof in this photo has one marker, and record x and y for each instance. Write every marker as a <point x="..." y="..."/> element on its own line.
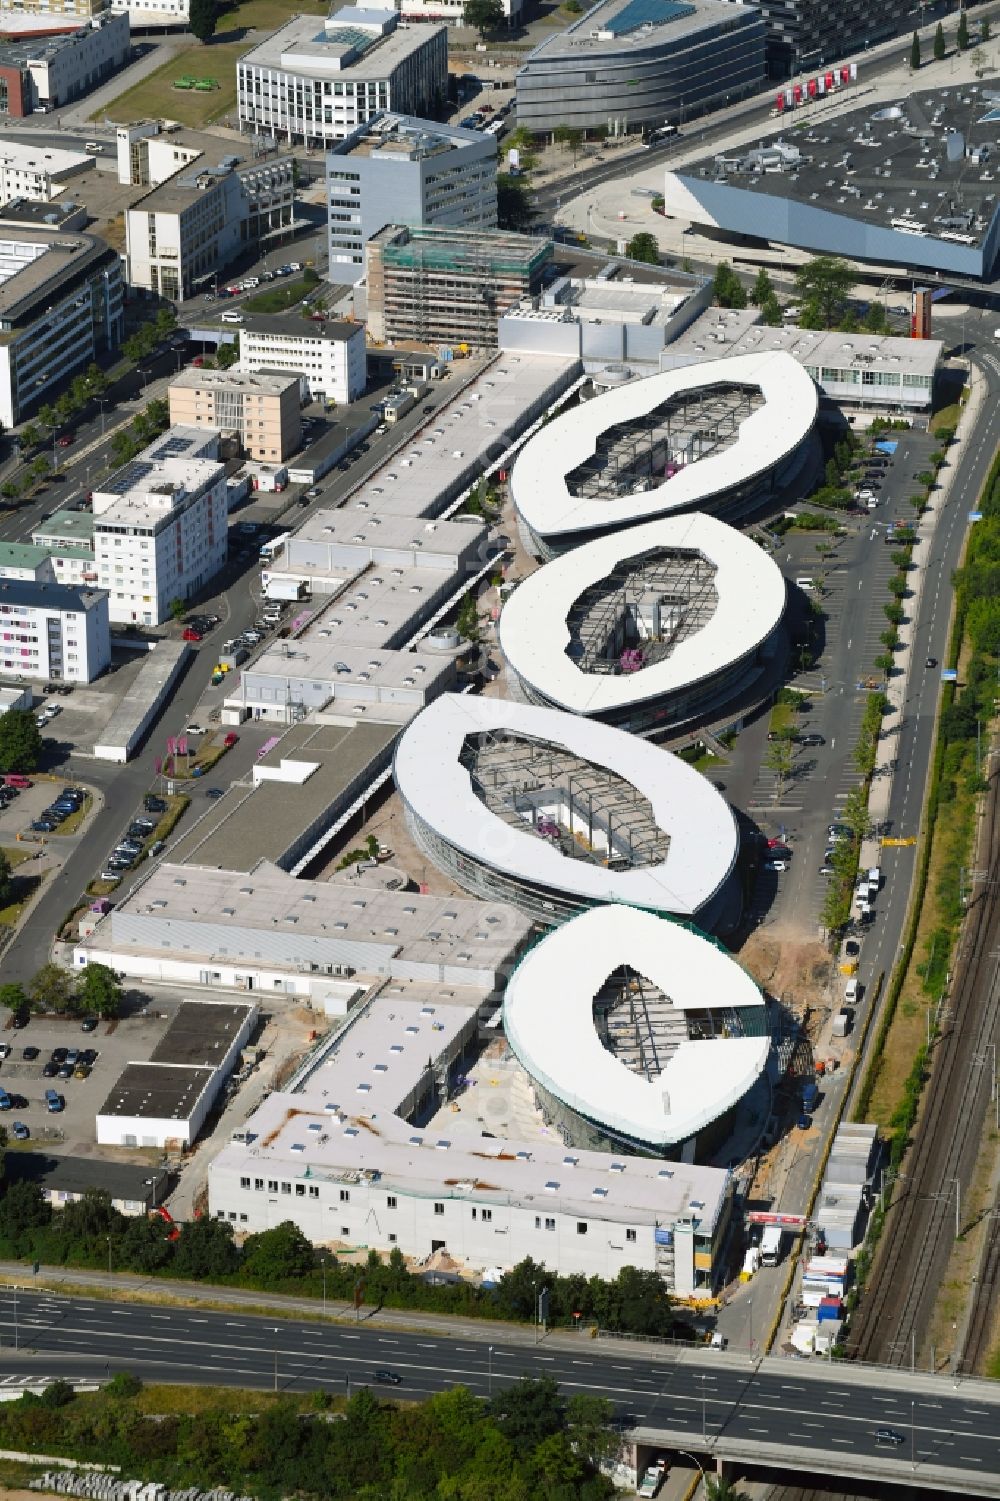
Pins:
<point x="685" y="805"/>
<point x="534" y="634"/>
<point x="767" y="437"/>
<point x="549" y="1022"/>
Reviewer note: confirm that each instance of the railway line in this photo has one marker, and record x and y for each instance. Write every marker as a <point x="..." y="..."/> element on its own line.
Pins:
<point x="926" y="1203"/>
<point x="983" y="1313"/>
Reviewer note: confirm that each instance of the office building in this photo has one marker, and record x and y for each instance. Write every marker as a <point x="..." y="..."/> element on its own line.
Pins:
<point x="316" y="81"/>
<point x="153" y="15"/>
<point x="47" y="72"/>
<point x="629" y="63"/>
<point x="51" y="631"/>
<point x="205" y="205"/>
<point x="67" y="539"/>
<point x="449" y="286"/>
<point x="35" y="173"/>
<point x="159" y="532"/>
<point x="328" y="355"/>
<point x="401" y="170"/>
<point x="61" y="305"/>
<point x="807" y="33"/>
<point x="261" y="411"/>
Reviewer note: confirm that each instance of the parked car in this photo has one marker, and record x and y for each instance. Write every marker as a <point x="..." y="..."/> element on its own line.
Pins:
<point x="19" y="1131"/>
<point x="42" y="826"/>
<point x="49" y="1070"/>
<point x="189" y="633"/>
<point x="29" y="1054"/>
<point x="58" y="1055"/>
<point x="776" y="865"/>
<point x="89" y="1024"/>
<point x="66" y="1071"/>
<point x="812" y="740"/>
<point x="214" y="792"/>
<point x="153" y="804"/>
<point x="90" y="1055"/>
<point x="388" y="1378"/>
<point x="65" y="440"/>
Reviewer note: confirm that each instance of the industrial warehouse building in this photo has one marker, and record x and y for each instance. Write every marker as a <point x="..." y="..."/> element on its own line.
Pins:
<point x="356" y="1155"/>
<point x="650" y="627"/>
<point x="719" y="437"/>
<point x="636" y="1033"/>
<point x="906" y="185"/>
<point x="629" y="63"/>
<point x="164" y="1103"/>
<point x="554" y="813"/>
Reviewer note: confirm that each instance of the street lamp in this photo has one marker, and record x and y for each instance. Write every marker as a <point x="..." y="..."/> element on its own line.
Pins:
<point x="110" y="1274"/>
<point x="276" y="1360"/>
<point x="15" y="1317"/>
<point x="323" y="1264"/>
<point x="489" y="1351"/>
<point x="913" y="1440"/>
<point x="697" y="1463"/>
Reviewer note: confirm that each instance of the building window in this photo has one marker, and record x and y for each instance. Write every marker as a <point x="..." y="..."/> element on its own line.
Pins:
<point x="550" y="1223"/>
<point x="286" y="1188"/>
<point x="581" y="1227"/>
<point x="630" y="1235"/>
<point x="272" y="1185"/>
<point x="439" y="1209"/>
<point x="243" y="1219"/>
<point x="258" y="1184"/>
<point x="392" y="1240"/>
<point x="300" y="1190"/>
<point x="538" y="1222"/>
<point x="244" y="1182"/>
<point x="390" y="1202"/>
<point x="345" y="1232"/>
<point x="313" y="1191"/>
<point x="345" y="1195"/>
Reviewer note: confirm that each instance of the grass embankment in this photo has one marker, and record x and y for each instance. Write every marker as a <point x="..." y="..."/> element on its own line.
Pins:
<point x="73" y="822"/>
<point x="280" y="298"/>
<point x="24" y="887"/>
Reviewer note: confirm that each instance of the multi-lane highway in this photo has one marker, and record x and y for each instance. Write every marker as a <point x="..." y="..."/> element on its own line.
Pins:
<point x="716" y="1401"/>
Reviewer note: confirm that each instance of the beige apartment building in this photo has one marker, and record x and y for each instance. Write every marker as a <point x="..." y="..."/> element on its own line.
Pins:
<point x="260" y="410"/>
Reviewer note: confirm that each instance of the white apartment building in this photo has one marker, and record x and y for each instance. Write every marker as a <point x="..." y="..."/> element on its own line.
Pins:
<point x="159" y="534"/>
<point x="397" y="169"/>
<point x="51" y="631"/>
<point x="328" y="356"/>
<point x="67" y="539"/>
<point x="204" y="207"/>
<point x="61" y="304"/>
<point x="317" y="83"/>
<point x="35" y="173"/>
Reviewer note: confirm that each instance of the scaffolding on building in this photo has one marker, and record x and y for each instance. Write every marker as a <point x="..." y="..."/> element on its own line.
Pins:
<point x="586" y="811"/>
<point x="639" y="1023"/>
<point x="646" y="451"/>
<point x="641" y="611"/>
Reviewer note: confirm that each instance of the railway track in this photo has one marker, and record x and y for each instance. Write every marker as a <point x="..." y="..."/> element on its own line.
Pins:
<point x="920" y="1224"/>
<point x="982" y="1316"/>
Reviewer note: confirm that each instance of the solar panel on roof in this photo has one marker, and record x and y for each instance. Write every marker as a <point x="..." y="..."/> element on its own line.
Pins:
<point x="647" y="13"/>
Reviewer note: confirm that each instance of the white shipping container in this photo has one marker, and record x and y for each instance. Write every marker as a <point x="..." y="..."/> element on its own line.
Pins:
<point x="827" y="1266"/>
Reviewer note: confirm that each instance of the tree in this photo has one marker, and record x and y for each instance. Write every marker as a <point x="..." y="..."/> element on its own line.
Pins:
<point x="939" y="47"/>
<point x="962" y="34"/>
<point x="530" y="1410"/>
<point x="206" y="1250"/>
<point x="273" y="1256"/>
<point x="483" y="15"/>
<point x="178" y="609"/>
<point x="20" y="741"/>
<point x="229" y="354"/>
<point x="984" y="29"/>
<point x="727" y="288"/>
<point x="165" y="321"/>
<point x="467" y="622"/>
<point x="13" y="997"/>
<point x="568" y="135"/>
<point x="30" y="436"/>
<point x="825" y="284"/>
<point x="48" y="416"/>
<point x="762" y="289"/>
<point x="915" y="52"/>
<point x="591" y="1426"/>
<point x="99" y="990"/>
<point x="23" y="1208"/>
<point x="771" y="313"/>
<point x="51" y="989"/>
<point x="779" y="758"/>
<point x="514" y="207"/>
<point x="717" y="1489"/>
<point x="6" y="879"/>
<point x="202" y="19"/>
<point x="10" y="489"/>
<point x="643" y="247"/>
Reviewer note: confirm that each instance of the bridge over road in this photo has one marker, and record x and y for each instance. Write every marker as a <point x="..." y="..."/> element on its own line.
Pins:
<point x="821" y="1418"/>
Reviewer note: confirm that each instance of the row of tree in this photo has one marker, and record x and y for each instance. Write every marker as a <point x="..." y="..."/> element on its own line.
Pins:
<point x="963" y="39"/>
<point x="283" y="1260"/>
<point x="94" y="991"/>
<point x="20" y="741"/>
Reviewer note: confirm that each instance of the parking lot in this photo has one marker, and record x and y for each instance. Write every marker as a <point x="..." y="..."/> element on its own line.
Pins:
<point x="72" y="1130"/>
<point x="851" y="588"/>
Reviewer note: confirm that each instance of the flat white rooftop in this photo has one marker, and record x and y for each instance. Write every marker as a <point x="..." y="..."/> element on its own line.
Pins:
<point x="350" y="529"/>
<point x="535" y="637"/>
<point x="481" y="421"/>
<point x="345" y="667"/>
<point x="307" y="1134"/>
<point x="540" y="478"/>
<point x="724" y="333"/>
<point x="438" y="791"/>
<point x="149" y="489"/>
<point x="549" y="1021"/>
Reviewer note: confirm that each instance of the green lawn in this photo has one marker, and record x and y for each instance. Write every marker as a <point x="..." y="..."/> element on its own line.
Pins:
<point x="24" y="886"/>
<point x="266" y="15"/>
<point x="280" y="298"/>
<point x="156" y="98"/>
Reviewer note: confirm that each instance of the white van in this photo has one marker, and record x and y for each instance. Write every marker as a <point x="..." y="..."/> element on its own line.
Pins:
<point x="94" y="148"/>
<point x="851" y="990"/>
<point x="804" y="583"/>
<point x="232" y="317"/>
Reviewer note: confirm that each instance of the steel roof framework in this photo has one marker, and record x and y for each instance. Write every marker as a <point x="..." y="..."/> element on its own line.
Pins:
<point x="652" y="602"/>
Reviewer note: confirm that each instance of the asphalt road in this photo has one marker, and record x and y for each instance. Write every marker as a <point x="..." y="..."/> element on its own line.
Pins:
<point x="778" y="1402"/>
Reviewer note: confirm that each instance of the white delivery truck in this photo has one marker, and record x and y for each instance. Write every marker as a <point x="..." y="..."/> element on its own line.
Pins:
<point x="770" y="1245"/>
